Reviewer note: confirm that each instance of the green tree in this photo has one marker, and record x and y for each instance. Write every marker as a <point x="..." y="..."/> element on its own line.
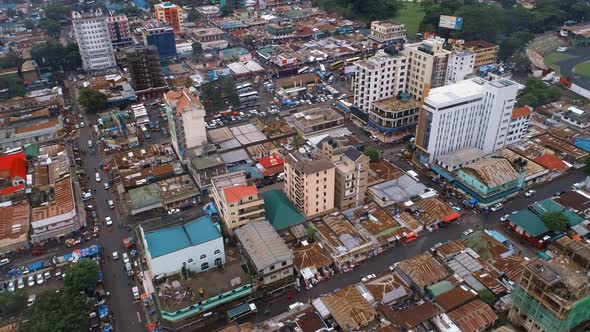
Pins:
<point x="297" y="142"/>
<point x="29" y="24"/>
<point x="555" y="221"/>
<point x="310" y="233"/>
<point x="586" y="167"/>
<point x="11" y="60"/>
<point x="72" y="58"/>
<point x="82" y="276"/>
<point x="508" y="3"/>
<point x="536" y="93"/>
<point x="57" y="12"/>
<point x="129" y="10"/>
<point x="12" y="304"/>
<point x="52" y="27"/>
<point x="228" y="86"/>
<point x="49" y="53"/>
<point x="193" y="15"/>
<point x="197" y="49"/>
<point x="250" y="40"/>
<point x="212" y="97"/>
<point x="92" y="100"/>
<point x="513" y="44"/>
<point x="59" y="311"/>
<point x="521" y="65"/>
<point x="362" y="9"/>
<point x="13" y="85"/>
<point x="487" y="296"/>
<point x="372" y="154"/>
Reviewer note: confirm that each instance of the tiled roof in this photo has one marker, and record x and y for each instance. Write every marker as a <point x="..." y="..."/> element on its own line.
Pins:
<point x="349" y="308"/>
<point x="521" y="111"/>
<point x="474" y="316"/>
<point x="235" y="194"/>
<point x="551" y="162"/>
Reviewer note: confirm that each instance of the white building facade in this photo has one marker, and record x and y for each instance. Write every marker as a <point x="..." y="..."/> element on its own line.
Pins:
<point x="519" y="124"/>
<point x="380" y="77"/>
<point x="468" y="114"/>
<point x="186" y="120"/>
<point x="93" y="37"/>
<point x="427" y="66"/>
<point x="460" y="65"/>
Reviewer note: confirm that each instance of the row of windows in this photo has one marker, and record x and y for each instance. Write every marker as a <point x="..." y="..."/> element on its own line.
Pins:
<point x="203" y="256"/>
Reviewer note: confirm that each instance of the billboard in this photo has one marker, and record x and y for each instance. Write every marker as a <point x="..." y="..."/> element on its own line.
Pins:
<point x="451" y="22"/>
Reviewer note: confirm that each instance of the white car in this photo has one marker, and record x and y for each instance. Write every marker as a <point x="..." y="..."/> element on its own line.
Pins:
<point x="125" y="258"/>
<point x="11" y="286"/>
<point x="561" y="49"/>
<point x="135" y="291"/>
<point x="504" y="217"/>
<point x="21" y="284"/>
<point x="497" y="207"/>
<point x="80" y="116"/>
<point x="82" y="125"/>
<point x="31" y="281"/>
<point x="111" y="204"/>
<point x="369" y="277"/>
<point x="115" y="255"/>
<point x="97" y="177"/>
<point x="467" y="232"/>
<point x="77" y="126"/>
<point x="106" y="186"/>
<point x="40" y="279"/>
<point x="108" y="221"/>
<point x="530" y="193"/>
<point x="47" y="275"/>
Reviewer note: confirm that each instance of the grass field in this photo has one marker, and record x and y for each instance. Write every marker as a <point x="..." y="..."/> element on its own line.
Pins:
<point x="552" y="58"/>
<point x="411" y="15"/>
<point x="583" y="69"/>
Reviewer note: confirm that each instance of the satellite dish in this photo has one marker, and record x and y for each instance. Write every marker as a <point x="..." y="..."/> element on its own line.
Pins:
<point x="301" y="150"/>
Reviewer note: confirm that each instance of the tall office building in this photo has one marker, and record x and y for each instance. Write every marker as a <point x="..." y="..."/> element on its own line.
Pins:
<point x="162" y="38"/>
<point x="460" y="65"/>
<point x="379" y="77"/>
<point x="186" y="120"/>
<point x="427" y="66"/>
<point x="143" y="64"/>
<point x="94" y="41"/>
<point x="309" y="182"/>
<point x="119" y="31"/>
<point x="171" y="14"/>
<point x="468" y="114"/>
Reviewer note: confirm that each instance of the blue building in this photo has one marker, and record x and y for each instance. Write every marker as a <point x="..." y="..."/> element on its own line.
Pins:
<point x="162" y="38"/>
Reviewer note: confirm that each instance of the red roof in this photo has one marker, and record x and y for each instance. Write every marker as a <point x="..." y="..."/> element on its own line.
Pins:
<point x="234" y="194"/>
<point x="12" y="189"/>
<point x="15" y="164"/>
<point x="452" y="217"/>
<point x="551" y="162"/>
<point x="271" y="161"/>
<point x="521" y="111"/>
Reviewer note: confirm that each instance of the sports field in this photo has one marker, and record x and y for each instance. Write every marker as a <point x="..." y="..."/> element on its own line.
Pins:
<point x="583" y="69"/>
<point x="411" y="15"/>
<point x="552" y="58"/>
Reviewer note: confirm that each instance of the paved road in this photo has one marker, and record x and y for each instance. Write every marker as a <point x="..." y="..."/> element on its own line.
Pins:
<point x="379" y="264"/>
<point x="566" y="67"/>
<point x="115" y="280"/>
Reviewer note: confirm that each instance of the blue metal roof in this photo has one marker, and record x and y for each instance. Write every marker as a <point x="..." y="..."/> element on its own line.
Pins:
<point x="168" y="240"/>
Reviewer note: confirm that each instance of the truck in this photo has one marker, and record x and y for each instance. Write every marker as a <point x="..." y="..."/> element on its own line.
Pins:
<point x="241" y="311"/>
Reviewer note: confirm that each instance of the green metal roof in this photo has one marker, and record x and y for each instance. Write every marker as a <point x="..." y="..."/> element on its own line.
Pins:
<point x="32" y="150"/>
<point x="439" y="288"/>
<point x="530" y="222"/>
<point x="168" y="240"/>
<point x="279" y="210"/>
<point x="145" y="196"/>
<point x="549" y="205"/>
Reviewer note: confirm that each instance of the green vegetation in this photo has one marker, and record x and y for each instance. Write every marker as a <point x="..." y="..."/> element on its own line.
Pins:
<point x="53" y="55"/>
<point x="59" y="311"/>
<point x="12" y="304"/>
<point x="536" y="93"/>
<point x="487" y="296"/>
<point x="13" y="85"/>
<point x="368" y="10"/>
<point x="583" y="68"/>
<point x="586" y="167"/>
<point x="410" y="14"/>
<point x="555" y="221"/>
<point x="52" y="27"/>
<point x="218" y="94"/>
<point x="372" y="154"/>
<point x="553" y="58"/>
<point x="92" y="100"/>
<point x="82" y="276"/>
<point x="11" y="60"/>
<point x="197" y="49"/>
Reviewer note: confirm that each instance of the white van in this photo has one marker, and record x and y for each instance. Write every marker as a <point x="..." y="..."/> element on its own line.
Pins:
<point x="135" y="291"/>
<point x="89" y="143"/>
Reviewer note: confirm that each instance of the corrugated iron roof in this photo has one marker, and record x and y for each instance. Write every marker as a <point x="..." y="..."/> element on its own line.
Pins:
<point x="474" y="316"/>
<point x="263" y="244"/>
<point x="493" y="172"/>
<point x="349" y="308"/>
<point x="310" y="256"/>
<point x="455" y="298"/>
<point x="424" y="270"/>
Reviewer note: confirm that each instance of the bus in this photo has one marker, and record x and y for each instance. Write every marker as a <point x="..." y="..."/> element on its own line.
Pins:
<point x="248" y="96"/>
<point x="303" y="70"/>
<point x="322" y="68"/>
<point x="241" y="311"/>
<point x="337" y="64"/>
<point x="241" y="88"/>
<point x="351" y="60"/>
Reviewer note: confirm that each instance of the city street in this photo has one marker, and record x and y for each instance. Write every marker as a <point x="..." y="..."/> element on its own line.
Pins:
<point x="128" y="316"/>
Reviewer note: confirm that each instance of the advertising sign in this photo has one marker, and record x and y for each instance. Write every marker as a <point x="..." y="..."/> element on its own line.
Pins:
<point x="451" y="22"/>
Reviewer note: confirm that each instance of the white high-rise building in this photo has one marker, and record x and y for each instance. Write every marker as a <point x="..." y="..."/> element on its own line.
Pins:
<point x="379" y="77"/>
<point x="186" y="120"/>
<point x="427" y="69"/>
<point x="460" y="65"/>
<point x="468" y="114"/>
<point x="94" y="41"/>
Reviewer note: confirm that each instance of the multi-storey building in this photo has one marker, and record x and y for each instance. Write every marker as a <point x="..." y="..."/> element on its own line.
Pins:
<point x="519" y="124"/>
<point x="317" y="119"/>
<point x="94" y="41"/>
<point x="380" y="77"/>
<point x="553" y="295"/>
<point x="460" y="65"/>
<point x="143" y="64"/>
<point x="171" y="14"/>
<point x="238" y="202"/>
<point x="186" y="120"/>
<point x="309" y="182"/>
<point x="393" y="119"/>
<point x="270" y="3"/>
<point x="352" y="172"/>
<point x="468" y="114"/>
<point x="485" y="52"/>
<point x="162" y="38"/>
<point x="119" y="31"/>
<point x="385" y="32"/>
<point x="427" y="66"/>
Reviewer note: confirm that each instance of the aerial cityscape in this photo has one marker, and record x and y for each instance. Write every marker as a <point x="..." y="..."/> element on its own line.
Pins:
<point x="294" y="165"/>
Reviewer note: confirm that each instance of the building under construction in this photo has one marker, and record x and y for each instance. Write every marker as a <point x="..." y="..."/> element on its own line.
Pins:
<point x="553" y="295"/>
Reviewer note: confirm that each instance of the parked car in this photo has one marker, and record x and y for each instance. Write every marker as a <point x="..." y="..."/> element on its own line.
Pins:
<point x="31" y="300"/>
<point x="97" y="177"/>
<point x="497" y="207"/>
<point x="108" y="221"/>
<point x="40" y="279"/>
<point x="11" y="286"/>
<point x="58" y="275"/>
<point x="106" y="186"/>
<point x="125" y="258"/>
<point x="31" y="281"/>
<point x="530" y="193"/>
<point x="111" y="204"/>
<point x="4" y="261"/>
<point x="467" y="232"/>
<point x="89" y="208"/>
<point x="115" y="255"/>
<point x="47" y="275"/>
<point x="504" y="217"/>
<point x="369" y="277"/>
<point x="135" y="291"/>
<point x="20" y="284"/>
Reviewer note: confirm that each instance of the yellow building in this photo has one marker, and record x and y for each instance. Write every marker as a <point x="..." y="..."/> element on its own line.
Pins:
<point x="485" y="52"/>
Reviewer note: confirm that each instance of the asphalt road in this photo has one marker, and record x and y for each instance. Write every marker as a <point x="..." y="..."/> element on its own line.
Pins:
<point x="129" y="316"/>
<point x="566" y="67"/>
